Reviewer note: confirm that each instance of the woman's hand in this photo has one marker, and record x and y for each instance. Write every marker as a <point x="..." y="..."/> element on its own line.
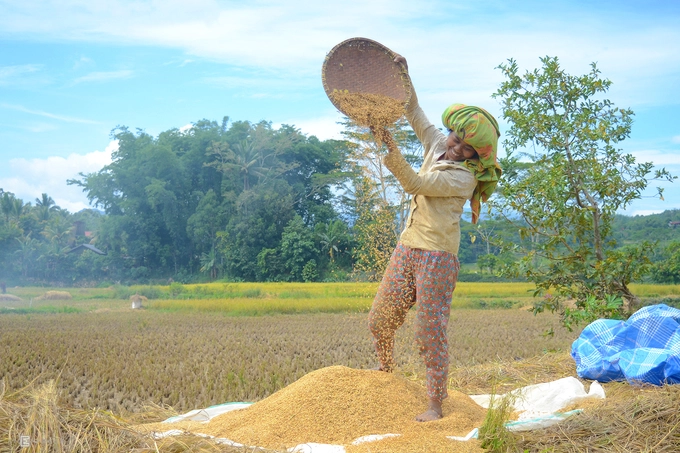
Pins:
<point x="399" y="59"/>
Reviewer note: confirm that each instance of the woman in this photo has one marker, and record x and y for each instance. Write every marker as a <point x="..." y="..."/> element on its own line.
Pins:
<point x="424" y="267"/>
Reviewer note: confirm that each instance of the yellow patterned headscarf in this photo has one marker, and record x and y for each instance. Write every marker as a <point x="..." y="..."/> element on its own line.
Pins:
<point x="479" y="129"/>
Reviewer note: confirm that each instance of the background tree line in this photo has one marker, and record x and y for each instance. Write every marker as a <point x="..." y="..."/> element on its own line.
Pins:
<point x="243" y="201"/>
<point x="235" y="200"/>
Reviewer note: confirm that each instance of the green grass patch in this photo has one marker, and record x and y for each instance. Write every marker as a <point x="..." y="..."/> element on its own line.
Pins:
<point x="493" y="434"/>
<point x="252" y="293"/>
<point x="494" y="304"/>
<point x="263" y="306"/>
<point x="150" y="292"/>
<point x="295" y="295"/>
<point x="654" y="290"/>
<point x="239" y="298"/>
<point x="40" y="309"/>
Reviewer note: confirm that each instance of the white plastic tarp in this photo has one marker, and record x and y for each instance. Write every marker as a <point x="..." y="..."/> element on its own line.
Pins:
<point x="545" y="400"/>
<point x="539" y="407"/>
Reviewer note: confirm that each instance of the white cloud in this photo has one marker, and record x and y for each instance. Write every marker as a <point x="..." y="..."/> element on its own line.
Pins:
<point x="10" y="74"/>
<point x="446" y="52"/>
<point x="40" y="127"/>
<point x="270" y="80"/>
<point x="644" y="212"/>
<point x="33" y="177"/>
<point x="324" y="128"/>
<point x="68" y="119"/>
<point x="657" y="157"/>
<point x="676" y="139"/>
<point x="104" y="76"/>
<point x="83" y="61"/>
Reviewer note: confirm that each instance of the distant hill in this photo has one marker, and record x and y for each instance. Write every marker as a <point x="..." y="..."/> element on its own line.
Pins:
<point x="653" y="227"/>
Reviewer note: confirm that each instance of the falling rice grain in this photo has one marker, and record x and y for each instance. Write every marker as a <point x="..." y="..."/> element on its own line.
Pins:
<point x="367" y="109"/>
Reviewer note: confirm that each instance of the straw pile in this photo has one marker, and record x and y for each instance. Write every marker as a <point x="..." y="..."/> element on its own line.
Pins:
<point x="35" y="416"/>
<point x="337" y="405"/>
<point x="9" y="298"/>
<point x="55" y="295"/>
<point x="632" y="418"/>
<point x="368" y="109"/>
<point x="137" y="300"/>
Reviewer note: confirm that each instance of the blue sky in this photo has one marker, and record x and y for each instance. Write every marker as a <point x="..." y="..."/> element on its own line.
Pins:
<point x="71" y="71"/>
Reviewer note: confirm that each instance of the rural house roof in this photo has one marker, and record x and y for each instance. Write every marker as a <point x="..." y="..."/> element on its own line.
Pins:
<point x="83" y="247"/>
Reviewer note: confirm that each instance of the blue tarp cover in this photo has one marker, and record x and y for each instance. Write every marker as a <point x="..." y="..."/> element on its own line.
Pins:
<point x="643" y="349"/>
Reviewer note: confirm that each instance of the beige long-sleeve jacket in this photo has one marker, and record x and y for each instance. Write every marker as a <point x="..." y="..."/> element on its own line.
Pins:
<point x="440" y="189"/>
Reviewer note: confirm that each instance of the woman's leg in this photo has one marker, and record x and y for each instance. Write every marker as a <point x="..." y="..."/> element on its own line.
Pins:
<point x="395" y="296"/>
<point x="436" y="274"/>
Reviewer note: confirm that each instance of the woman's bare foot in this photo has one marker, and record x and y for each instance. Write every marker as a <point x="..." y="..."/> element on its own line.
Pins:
<point x="433" y="412"/>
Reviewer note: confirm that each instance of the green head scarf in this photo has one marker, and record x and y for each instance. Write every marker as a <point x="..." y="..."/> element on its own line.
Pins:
<point x="476" y="127"/>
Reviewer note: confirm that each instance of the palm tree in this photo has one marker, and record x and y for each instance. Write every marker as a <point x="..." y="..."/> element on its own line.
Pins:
<point x="57" y="231"/>
<point x="18" y="208"/>
<point x="11" y="207"/>
<point x="46" y="206"/>
<point x="7" y="204"/>
<point x="209" y="263"/>
<point x="332" y="237"/>
<point x="246" y="160"/>
<point x="25" y="252"/>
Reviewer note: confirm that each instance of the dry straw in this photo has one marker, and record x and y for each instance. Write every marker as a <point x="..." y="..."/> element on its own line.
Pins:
<point x="631" y="419"/>
<point x="9" y="298"/>
<point x="33" y="419"/>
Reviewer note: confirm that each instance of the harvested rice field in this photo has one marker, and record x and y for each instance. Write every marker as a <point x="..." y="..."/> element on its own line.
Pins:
<point x="118" y="360"/>
<point x="87" y="379"/>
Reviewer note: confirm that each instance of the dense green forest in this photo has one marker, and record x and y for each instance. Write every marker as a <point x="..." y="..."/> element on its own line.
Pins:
<point x="239" y="201"/>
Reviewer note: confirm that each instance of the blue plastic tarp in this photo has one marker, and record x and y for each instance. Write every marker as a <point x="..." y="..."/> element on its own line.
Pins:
<point x="643" y="349"/>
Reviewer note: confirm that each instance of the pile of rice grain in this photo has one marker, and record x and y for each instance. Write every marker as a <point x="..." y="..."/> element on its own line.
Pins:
<point x="367" y="109"/>
<point x="337" y="405"/>
<point x="412" y="442"/>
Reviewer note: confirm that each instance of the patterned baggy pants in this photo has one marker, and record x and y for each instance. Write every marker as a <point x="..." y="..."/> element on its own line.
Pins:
<point x="428" y="278"/>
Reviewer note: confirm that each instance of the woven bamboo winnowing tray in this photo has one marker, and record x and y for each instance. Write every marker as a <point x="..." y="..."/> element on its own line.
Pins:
<point x="360" y="65"/>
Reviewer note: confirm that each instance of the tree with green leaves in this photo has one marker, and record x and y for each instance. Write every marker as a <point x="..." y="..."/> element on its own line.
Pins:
<point x="667" y="270"/>
<point x="374" y="230"/>
<point x="45" y="206"/>
<point x="377" y="203"/>
<point x="210" y="264"/>
<point x="331" y="236"/>
<point x="7" y="204"/>
<point x="366" y="159"/>
<point x="243" y="159"/>
<point x="297" y="248"/>
<point x="567" y="197"/>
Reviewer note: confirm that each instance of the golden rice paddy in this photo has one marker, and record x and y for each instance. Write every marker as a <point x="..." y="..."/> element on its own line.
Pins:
<point x="107" y="357"/>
